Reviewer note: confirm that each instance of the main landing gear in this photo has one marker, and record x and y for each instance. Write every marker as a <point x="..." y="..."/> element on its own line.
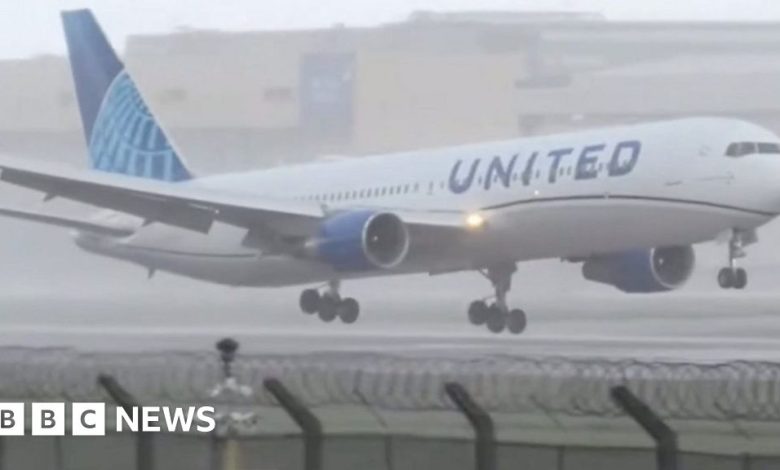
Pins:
<point x="328" y="305"/>
<point x="732" y="276"/>
<point x="497" y="316"/>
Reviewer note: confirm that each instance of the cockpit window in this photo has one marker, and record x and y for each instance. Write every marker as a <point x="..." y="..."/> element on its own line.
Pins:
<point x="766" y="147"/>
<point x="748" y="148"/>
<point x="740" y="149"/>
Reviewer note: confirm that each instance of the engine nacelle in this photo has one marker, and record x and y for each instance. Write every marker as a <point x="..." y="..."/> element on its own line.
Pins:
<point x="653" y="270"/>
<point x="362" y="240"/>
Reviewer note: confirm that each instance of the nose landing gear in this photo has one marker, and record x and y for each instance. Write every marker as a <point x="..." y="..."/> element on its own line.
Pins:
<point x="497" y="316"/>
<point x="328" y="305"/>
<point x="732" y="276"/>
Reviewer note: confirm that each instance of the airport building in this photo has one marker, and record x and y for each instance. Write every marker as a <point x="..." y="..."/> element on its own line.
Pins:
<point x="236" y="100"/>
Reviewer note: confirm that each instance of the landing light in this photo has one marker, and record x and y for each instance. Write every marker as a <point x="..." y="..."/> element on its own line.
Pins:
<point x="475" y="221"/>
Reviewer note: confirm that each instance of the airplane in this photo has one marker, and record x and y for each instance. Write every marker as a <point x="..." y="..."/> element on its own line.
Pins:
<point x="626" y="202"/>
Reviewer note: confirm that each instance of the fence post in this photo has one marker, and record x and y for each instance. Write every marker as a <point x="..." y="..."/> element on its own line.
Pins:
<point x="665" y="438"/>
<point x="484" y="430"/>
<point x="144" y="459"/>
<point x="310" y="425"/>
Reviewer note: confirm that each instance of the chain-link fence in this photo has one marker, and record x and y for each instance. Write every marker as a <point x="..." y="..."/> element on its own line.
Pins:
<point x="501" y="384"/>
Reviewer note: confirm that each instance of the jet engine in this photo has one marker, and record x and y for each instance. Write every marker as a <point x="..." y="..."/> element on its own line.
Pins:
<point x="361" y="241"/>
<point x="638" y="271"/>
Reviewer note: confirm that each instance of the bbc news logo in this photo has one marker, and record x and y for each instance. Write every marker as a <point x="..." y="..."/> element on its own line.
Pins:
<point x="89" y="419"/>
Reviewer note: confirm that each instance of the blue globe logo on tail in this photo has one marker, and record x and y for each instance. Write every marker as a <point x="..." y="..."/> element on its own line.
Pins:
<point x="126" y="138"/>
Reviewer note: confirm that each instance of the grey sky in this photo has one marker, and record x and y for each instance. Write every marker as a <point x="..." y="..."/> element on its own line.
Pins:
<point x="29" y="27"/>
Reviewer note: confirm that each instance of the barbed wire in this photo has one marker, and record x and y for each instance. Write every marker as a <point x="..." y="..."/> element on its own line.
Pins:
<point x="503" y="384"/>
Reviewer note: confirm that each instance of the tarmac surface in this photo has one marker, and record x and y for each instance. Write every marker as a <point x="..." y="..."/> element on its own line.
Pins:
<point x="405" y="319"/>
<point x="412" y="335"/>
<point x="54" y="295"/>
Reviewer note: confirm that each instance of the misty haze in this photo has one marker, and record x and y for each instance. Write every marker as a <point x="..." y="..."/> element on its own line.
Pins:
<point x="241" y="86"/>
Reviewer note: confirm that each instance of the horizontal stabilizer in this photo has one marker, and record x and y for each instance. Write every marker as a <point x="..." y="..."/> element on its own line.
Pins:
<point x="66" y="222"/>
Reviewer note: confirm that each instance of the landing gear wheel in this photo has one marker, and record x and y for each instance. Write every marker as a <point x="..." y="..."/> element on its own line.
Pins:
<point x="740" y="278"/>
<point x="478" y="312"/>
<point x="348" y="310"/>
<point x="328" y="308"/>
<point x="310" y="301"/>
<point x="732" y="276"/>
<point x="726" y="278"/>
<point x="496" y="319"/>
<point x="516" y="321"/>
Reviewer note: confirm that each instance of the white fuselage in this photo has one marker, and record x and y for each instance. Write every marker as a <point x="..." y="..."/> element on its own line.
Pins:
<point x="561" y="196"/>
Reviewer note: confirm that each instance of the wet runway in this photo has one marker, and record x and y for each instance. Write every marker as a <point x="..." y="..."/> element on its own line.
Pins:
<point x="52" y="295"/>
<point x="412" y="336"/>
<point x="692" y="326"/>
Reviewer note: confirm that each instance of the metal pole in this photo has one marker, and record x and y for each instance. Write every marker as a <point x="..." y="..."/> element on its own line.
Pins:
<point x="484" y="430"/>
<point x="310" y="425"/>
<point x="2" y="454"/>
<point x="144" y="449"/>
<point x="665" y="438"/>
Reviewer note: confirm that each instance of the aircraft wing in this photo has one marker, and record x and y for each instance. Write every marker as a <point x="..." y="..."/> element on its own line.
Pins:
<point x="183" y="205"/>
<point x="187" y="205"/>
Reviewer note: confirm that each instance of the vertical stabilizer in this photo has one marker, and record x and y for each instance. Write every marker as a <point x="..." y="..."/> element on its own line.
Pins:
<point x="123" y="136"/>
